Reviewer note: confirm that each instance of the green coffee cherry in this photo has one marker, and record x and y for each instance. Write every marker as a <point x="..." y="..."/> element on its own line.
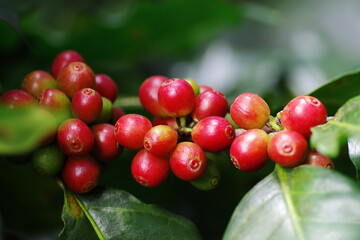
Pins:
<point x="194" y="85"/>
<point x="210" y="179"/>
<point x="106" y="112"/>
<point x="48" y="160"/>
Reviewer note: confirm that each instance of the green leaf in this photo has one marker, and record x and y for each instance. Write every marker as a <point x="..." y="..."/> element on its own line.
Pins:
<point x="344" y="128"/>
<point x="115" y="214"/>
<point x="307" y="202"/>
<point x="335" y="93"/>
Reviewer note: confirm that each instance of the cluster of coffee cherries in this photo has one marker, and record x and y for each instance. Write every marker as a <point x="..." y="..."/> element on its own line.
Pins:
<point x="80" y="104"/>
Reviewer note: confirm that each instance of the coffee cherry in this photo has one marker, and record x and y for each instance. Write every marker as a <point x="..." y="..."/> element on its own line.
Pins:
<point x="210" y="103"/>
<point x="117" y="113"/>
<point x="130" y="130"/>
<point x="106" y="147"/>
<point x="75" y="138"/>
<point x="248" y="152"/>
<point x="204" y="88"/>
<point x="249" y="111"/>
<point x="210" y="179"/>
<point x="48" y="160"/>
<point x="169" y="121"/>
<point x="177" y="97"/>
<point x="81" y="174"/>
<point x="148" y="169"/>
<point x="188" y="161"/>
<point x="148" y="95"/>
<point x="194" y="85"/>
<point x="160" y="140"/>
<point x="106" y="87"/>
<point x="317" y="159"/>
<point x="17" y="98"/>
<point x="74" y="77"/>
<point x="106" y="113"/>
<point x="86" y="105"/>
<point x="64" y="58"/>
<point x="302" y="113"/>
<point x="37" y="81"/>
<point x="213" y="134"/>
<point x="288" y="148"/>
<point x="56" y="102"/>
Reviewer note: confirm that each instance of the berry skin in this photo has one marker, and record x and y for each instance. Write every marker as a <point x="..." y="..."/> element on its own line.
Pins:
<point x="48" y="160"/>
<point x="86" y="105"/>
<point x="210" y="179"/>
<point x="106" y="147"/>
<point x="56" y="102"/>
<point x="204" y="88"/>
<point x="130" y="130"/>
<point x="148" y="95"/>
<point x="160" y="140"/>
<point x="117" y="113"/>
<point x="302" y="113"/>
<point x="288" y="148"/>
<point x="210" y="103"/>
<point x="106" y="113"/>
<point x="17" y="98"/>
<point x="106" y="87"/>
<point x="194" y="85"/>
<point x="249" y="111"/>
<point x="317" y="159"/>
<point x="74" y="77"/>
<point x="81" y="174"/>
<point x="188" y="161"/>
<point x="64" y="58"/>
<point x="169" y="121"/>
<point x="248" y="152"/>
<point x="37" y="81"/>
<point x="177" y="97"/>
<point x="213" y="134"/>
<point x="75" y="138"/>
<point x="148" y="169"/>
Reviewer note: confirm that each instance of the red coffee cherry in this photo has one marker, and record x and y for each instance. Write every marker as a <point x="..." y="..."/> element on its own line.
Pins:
<point x="169" y="121"/>
<point x="160" y="140"/>
<point x="81" y="174"/>
<point x="64" y="58"/>
<point x="17" y="98"/>
<point x="248" y="152"/>
<point x="210" y="103"/>
<point x="204" y="88"/>
<point x="213" y="134"/>
<point x="74" y="77"/>
<point x="303" y="113"/>
<point x="106" y="87"/>
<point x="188" y="161"/>
<point x="130" y="130"/>
<point x="75" y="138"/>
<point x="288" y="148"/>
<point x="317" y="159"/>
<point x="56" y="102"/>
<point x="37" y="81"/>
<point x="106" y="148"/>
<point x="249" y="111"/>
<point x="86" y="105"/>
<point x="148" y="169"/>
<point x="148" y="95"/>
<point x="177" y="97"/>
<point x="117" y="113"/>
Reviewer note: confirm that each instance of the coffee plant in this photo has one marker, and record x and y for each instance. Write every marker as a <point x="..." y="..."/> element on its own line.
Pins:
<point x="70" y="125"/>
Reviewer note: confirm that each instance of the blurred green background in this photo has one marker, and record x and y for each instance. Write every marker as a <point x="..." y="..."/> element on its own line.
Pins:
<point x="278" y="49"/>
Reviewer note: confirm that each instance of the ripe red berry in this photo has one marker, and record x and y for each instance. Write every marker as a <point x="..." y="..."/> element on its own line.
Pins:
<point x="288" y="148"/>
<point x="106" y="147"/>
<point x="317" y="159"/>
<point x="106" y="87"/>
<point x="213" y="134"/>
<point x="188" y="161"/>
<point x="64" y="58"/>
<point x="37" y="81"/>
<point x="81" y="174"/>
<point x="56" y="102"/>
<point x="248" y="152"/>
<point x="75" y="138"/>
<point x="249" y="111"/>
<point x="148" y="95"/>
<point x="130" y="130"/>
<point x="17" y="98"/>
<point x="302" y="113"/>
<point x="160" y="140"/>
<point x="210" y="103"/>
<point x="148" y="169"/>
<point x="74" y="77"/>
<point x="86" y="105"/>
<point x="117" y="113"/>
<point x="177" y="97"/>
<point x="169" y="121"/>
<point x="204" y="88"/>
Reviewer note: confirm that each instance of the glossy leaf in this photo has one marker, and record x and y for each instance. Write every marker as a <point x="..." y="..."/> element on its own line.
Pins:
<point x="115" y="214"/>
<point x="344" y="128"/>
<point x="306" y="202"/>
<point x="335" y="93"/>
